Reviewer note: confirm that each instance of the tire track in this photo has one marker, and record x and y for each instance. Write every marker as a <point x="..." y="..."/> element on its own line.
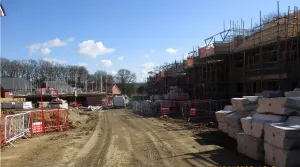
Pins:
<point x="96" y="155"/>
<point x="151" y="152"/>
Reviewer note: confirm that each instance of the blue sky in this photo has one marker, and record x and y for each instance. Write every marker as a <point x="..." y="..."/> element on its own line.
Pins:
<point x="99" y="33"/>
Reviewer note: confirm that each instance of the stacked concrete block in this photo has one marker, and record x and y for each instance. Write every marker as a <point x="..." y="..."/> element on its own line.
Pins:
<point x="254" y="125"/>
<point x="222" y="126"/>
<point x="250" y="146"/>
<point x="232" y="132"/>
<point x="221" y="118"/>
<point x="247" y="125"/>
<point x="244" y="107"/>
<point x="280" y="105"/>
<point x="234" y="124"/>
<point x="251" y="142"/>
<point x="272" y="134"/>
<point x="281" y="158"/>
<point x="146" y="107"/>
<point x="23" y="105"/>
<point x="252" y="99"/>
<point x="7" y="105"/>
<point x="244" y="104"/>
<point x="260" y="120"/>
<point x="282" y="142"/>
<point x="222" y="115"/>
<point x="292" y="94"/>
<point x="271" y="94"/>
<point x="284" y="135"/>
<point x="228" y="108"/>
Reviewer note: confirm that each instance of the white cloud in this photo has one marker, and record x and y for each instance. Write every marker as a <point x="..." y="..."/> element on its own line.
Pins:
<point x="106" y="63"/>
<point x="44" y="47"/>
<point x="92" y="49"/>
<point x="54" y="61"/>
<point x="114" y="72"/>
<point x="152" y="51"/>
<point x="45" y="51"/>
<point x="121" y="58"/>
<point x="171" y="50"/>
<point x="71" y="39"/>
<point x="146" y="67"/>
<point x="82" y="64"/>
<point x="146" y="56"/>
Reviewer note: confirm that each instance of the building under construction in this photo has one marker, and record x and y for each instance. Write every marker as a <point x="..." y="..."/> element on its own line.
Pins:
<point x="238" y="61"/>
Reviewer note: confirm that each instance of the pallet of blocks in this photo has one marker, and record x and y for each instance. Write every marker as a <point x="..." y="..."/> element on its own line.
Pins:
<point x="279" y="105"/>
<point x="282" y="140"/>
<point x="221" y="118"/>
<point x="146" y="107"/>
<point x="250" y="141"/>
<point x="243" y="107"/>
<point x="282" y="143"/>
<point x="295" y="93"/>
<point x="273" y="133"/>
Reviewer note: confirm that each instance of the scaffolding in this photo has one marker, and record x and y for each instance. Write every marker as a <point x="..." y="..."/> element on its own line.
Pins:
<point x="266" y="56"/>
<point x="239" y="61"/>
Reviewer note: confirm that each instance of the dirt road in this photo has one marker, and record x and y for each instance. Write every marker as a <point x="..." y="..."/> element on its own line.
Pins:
<point x="122" y="138"/>
<point x="126" y="139"/>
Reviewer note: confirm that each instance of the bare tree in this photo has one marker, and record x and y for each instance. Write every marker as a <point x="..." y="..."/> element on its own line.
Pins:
<point x="125" y="80"/>
<point x="141" y="89"/>
<point x="39" y="71"/>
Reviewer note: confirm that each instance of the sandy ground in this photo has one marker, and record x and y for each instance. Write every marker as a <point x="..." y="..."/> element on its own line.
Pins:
<point x="121" y="138"/>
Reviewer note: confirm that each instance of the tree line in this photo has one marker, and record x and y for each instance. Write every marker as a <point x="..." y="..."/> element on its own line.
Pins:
<point x="38" y="71"/>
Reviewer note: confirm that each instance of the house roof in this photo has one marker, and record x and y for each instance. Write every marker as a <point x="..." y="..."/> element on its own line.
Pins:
<point x="116" y="90"/>
<point x="58" y="85"/>
<point x="15" y="83"/>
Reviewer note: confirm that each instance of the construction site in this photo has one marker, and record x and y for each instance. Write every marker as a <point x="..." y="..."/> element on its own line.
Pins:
<point x="233" y="102"/>
<point x="236" y="62"/>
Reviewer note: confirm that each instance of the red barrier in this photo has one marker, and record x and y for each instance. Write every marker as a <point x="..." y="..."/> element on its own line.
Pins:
<point x="165" y="108"/>
<point x="2" y="137"/>
<point x="164" y="111"/>
<point x="193" y="112"/>
<point x="49" y="120"/>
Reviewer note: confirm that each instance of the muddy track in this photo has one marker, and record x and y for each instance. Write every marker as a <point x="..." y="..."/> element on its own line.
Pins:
<point x="102" y="135"/>
<point x="136" y="126"/>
